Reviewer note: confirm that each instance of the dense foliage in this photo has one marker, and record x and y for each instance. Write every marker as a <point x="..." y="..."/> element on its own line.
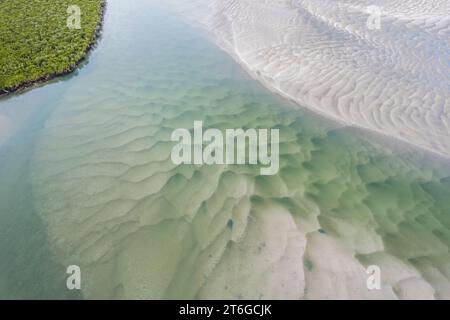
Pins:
<point x="35" y="41"/>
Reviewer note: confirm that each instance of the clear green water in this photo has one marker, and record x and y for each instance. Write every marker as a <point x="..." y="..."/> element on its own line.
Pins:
<point x="86" y="179"/>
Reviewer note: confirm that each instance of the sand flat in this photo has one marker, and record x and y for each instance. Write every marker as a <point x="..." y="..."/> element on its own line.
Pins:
<point x="328" y="56"/>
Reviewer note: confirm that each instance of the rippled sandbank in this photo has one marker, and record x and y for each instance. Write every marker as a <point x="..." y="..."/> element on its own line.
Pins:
<point x="375" y="64"/>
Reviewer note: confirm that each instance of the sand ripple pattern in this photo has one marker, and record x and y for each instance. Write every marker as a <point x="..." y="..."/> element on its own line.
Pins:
<point x="395" y="80"/>
<point x="141" y="227"/>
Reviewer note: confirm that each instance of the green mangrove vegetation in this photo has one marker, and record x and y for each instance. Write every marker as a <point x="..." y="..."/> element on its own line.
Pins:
<point x="36" y="42"/>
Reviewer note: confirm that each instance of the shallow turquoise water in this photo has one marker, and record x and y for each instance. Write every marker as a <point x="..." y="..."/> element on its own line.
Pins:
<point x="86" y="179"/>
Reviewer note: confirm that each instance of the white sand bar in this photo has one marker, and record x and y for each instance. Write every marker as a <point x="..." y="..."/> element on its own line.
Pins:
<point x="330" y="56"/>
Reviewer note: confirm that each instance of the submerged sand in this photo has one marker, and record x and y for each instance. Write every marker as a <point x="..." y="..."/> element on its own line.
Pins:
<point x="113" y="203"/>
<point x="330" y="56"/>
